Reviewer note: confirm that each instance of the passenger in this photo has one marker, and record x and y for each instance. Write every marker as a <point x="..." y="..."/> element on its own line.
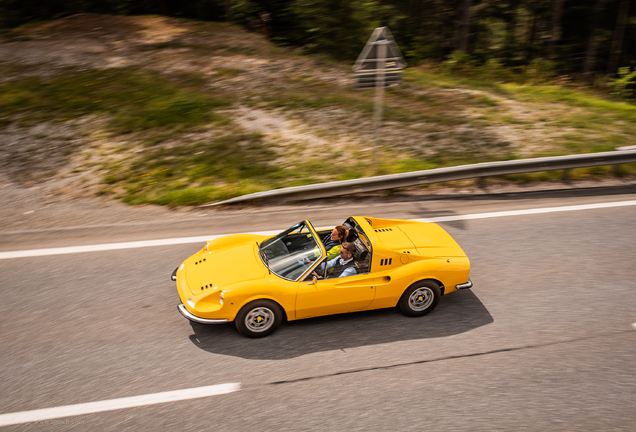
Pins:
<point x="333" y="241"/>
<point x="343" y="265"/>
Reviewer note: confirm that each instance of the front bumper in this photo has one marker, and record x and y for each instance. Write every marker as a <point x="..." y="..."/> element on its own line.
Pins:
<point x="174" y="274"/>
<point x="186" y="313"/>
<point x="466" y="285"/>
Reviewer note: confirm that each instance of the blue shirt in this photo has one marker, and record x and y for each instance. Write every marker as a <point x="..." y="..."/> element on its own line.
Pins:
<point x="349" y="271"/>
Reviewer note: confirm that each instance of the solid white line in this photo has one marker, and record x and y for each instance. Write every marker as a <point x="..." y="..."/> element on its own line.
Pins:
<point x="104" y="247"/>
<point x="115" y="404"/>
<point x="115" y="246"/>
<point x="200" y="239"/>
<point x="528" y="211"/>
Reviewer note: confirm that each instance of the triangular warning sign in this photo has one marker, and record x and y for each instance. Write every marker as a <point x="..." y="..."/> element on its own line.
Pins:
<point x="368" y="58"/>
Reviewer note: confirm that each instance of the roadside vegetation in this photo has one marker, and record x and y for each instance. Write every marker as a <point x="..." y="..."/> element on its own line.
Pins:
<point x="178" y="124"/>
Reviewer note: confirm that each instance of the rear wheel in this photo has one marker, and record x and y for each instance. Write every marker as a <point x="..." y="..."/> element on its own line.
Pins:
<point x="259" y="318"/>
<point x="420" y="298"/>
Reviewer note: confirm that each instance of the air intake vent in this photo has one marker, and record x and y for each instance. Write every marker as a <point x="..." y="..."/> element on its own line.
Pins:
<point x="383" y="229"/>
<point x="386" y="261"/>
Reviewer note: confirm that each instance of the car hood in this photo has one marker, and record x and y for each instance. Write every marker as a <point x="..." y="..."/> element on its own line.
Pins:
<point x="225" y="262"/>
<point x="428" y="239"/>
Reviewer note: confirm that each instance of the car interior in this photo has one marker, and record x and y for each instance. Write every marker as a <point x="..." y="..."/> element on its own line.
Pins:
<point x="362" y="255"/>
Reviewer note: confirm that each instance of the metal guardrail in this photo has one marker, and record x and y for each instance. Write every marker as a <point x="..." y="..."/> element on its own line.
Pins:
<point x="392" y="181"/>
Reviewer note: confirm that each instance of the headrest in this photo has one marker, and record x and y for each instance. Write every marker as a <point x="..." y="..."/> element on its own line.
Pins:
<point x="361" y="251"/>
<point x="361" y="256"/>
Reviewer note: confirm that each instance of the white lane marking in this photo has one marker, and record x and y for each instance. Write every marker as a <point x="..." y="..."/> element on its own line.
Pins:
<point x="115" y="404"/>
<point x="115" y="246"/>
<point x="528" y="211"/>
<point x="199" y="239"/>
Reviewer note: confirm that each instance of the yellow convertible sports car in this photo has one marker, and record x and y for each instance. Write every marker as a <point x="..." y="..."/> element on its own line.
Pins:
<point x="260" y="281"/>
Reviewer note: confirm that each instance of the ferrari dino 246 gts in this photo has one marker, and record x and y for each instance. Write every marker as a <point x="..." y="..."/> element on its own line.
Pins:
<point x="257" y="282"/>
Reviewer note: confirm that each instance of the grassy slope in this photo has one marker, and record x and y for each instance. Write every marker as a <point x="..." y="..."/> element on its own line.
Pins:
<point x="174" y="136"/>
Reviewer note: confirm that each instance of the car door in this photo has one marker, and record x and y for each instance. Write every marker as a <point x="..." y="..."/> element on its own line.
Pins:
<point x="333" y="296"/>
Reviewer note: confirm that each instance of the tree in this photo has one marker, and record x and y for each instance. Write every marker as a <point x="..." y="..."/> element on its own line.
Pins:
<point x="333" y="26"/>
<point x="468" y="13"/>
<point x="593" y="41"/>
<point x="555" y="32"/>
<point x="464" y="25"/>
<point x="619" y="34"/>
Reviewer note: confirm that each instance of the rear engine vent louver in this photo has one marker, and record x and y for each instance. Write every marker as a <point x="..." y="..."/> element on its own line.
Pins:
<point x="383" y="229"/>
<point x="386" y="261"/>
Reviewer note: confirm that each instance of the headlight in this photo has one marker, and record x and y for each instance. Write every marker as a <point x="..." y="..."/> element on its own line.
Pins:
<point x="206" y="247"/>
<point x="221" y="297"/>
<point x="181" y="267"/>
<point x="190" y="303"/>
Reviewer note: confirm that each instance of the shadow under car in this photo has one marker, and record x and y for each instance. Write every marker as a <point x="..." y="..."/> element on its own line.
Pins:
<point x="456" y="313"/>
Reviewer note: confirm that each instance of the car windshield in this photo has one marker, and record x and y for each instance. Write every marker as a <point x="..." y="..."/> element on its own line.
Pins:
<point x="292" y="252"/>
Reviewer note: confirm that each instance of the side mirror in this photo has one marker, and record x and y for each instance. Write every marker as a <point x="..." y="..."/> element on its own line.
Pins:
<point x="313" y="281"/>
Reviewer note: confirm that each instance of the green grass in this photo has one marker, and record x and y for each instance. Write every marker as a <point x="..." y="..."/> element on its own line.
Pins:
<point x="197" y="173"/>
<point x="229" y="72"/>
<point x="432" y="78"/>
<point x="400" y="105"/>
<point x="167" y="45"/>
<point x="573" y="97"/>
<point x="133" y="100"/>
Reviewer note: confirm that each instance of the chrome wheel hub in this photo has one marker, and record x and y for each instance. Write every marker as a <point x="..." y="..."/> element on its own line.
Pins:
<point x="259" y="319"/>
<point x="421" y="298"/>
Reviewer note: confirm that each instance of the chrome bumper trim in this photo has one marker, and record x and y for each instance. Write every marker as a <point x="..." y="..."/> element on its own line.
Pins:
<point x="173" y="277"/>
<point x="466" y="285"/>
<point x="186" y="313"/>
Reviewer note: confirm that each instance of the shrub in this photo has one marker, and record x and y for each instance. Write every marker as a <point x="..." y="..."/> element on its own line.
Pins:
<point x="625" y="83"/>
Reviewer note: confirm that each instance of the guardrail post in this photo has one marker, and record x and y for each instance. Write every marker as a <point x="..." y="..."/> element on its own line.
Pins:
<point x="566" y="175"/>
<point x="617" y="170"/>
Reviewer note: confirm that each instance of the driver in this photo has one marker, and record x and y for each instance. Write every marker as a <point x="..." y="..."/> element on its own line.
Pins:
<point x="343" y="265"/>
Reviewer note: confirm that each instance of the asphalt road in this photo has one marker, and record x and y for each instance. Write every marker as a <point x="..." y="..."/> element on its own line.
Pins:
<point x="544" y="340"/>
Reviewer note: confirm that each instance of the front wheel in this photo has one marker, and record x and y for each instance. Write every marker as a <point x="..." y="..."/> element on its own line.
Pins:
<point x="420" y="298"/>
<point x="258" y="318"/>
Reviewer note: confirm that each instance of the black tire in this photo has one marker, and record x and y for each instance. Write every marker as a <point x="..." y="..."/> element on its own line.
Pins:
<point x="258" y="318"/>
<point x="420" y="298"/>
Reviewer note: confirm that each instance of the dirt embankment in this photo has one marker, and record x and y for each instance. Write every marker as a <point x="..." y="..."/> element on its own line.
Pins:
<point x="249" y="69"/>
<point x="65" y="154"/>
<point x="302" y="108"/>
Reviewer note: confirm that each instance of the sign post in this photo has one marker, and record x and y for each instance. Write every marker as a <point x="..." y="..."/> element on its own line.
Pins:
<point x="378" y="66"/>
<point x="379" y="92"/>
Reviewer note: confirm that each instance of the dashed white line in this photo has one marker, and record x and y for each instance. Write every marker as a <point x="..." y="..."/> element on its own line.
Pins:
<point x="115" y="404"/>
<point x="634" y="326"/>
<point x="199" y="239"/>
